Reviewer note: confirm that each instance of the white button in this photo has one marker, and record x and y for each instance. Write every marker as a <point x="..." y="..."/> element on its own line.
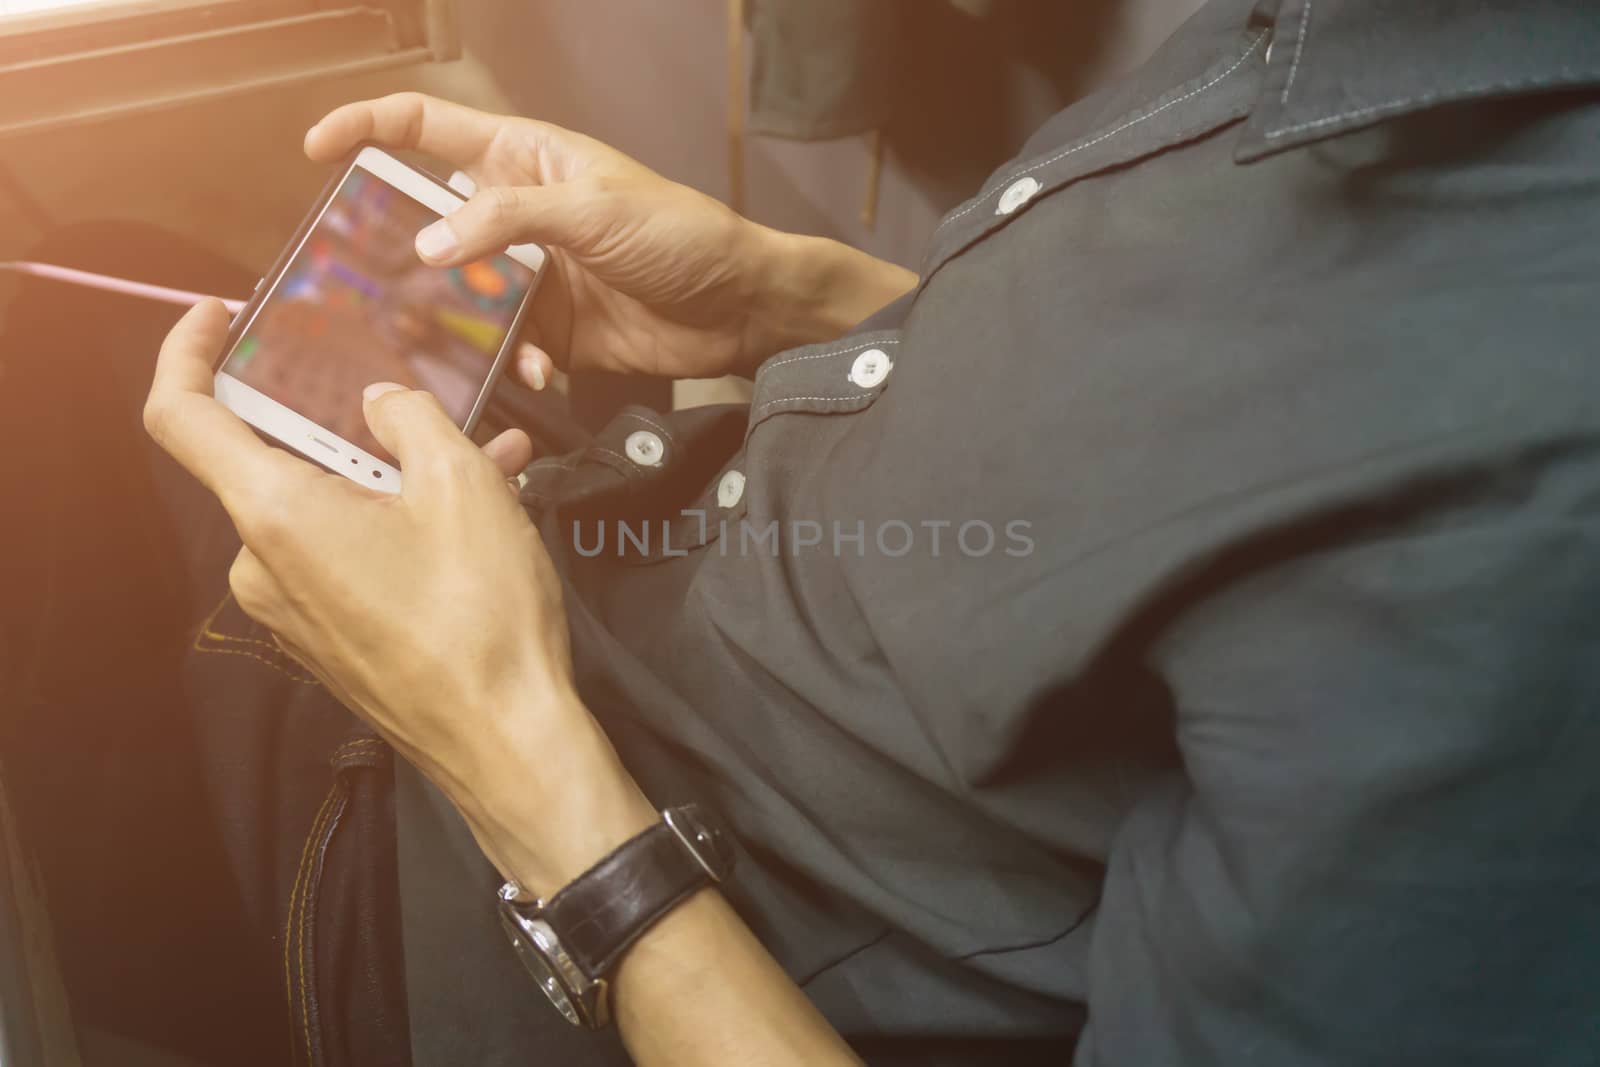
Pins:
<point x="1017" y="193"/>
<point x="870" y="368"/>
<point x="730" y="489"/>
<point x="644" y="448"/>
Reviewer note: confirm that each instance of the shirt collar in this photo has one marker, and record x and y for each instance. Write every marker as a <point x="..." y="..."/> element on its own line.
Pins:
<point x="1337" y="65"/>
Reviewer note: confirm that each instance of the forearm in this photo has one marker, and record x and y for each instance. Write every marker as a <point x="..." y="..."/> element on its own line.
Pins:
<point x="812" y="289"/>
<point x="698" y="988"/>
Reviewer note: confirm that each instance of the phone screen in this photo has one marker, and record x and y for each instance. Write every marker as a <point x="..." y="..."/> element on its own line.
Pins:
<point x="355" y="305"/>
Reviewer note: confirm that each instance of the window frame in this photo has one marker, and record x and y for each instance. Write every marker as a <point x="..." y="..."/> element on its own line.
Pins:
<point x="120" y="57"/>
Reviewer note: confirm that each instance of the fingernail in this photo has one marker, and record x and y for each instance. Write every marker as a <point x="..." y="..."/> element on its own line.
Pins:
<point x="437" y="241"/>
<point x="377" y="389"/>
<point x="533" y="370"/>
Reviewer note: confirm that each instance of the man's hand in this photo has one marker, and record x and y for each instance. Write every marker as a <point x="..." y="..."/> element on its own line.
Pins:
<point x="435" y="614"/>
<point x="645" y="275"/>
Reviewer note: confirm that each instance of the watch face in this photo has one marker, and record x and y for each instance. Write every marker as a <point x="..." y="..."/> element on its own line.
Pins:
<point x="535" y="955"/>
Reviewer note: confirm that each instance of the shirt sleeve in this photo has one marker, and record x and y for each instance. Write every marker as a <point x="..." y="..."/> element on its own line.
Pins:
<point x="1385" y="845"/>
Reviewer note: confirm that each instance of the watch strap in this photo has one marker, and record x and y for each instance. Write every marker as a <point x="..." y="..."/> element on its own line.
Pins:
<point x="607" y="908"/>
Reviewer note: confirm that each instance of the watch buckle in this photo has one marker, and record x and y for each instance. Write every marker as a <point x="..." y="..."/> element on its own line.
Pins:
<point x="698" y="832"/>
<point x="512" y="892"/>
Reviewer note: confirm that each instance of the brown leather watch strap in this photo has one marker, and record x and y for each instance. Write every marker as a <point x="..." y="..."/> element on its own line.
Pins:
<point x="607" y="908"/>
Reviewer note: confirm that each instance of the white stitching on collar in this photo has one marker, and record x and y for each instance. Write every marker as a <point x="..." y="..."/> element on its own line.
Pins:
<point x="650" y="423"/>
<point x="1299" y="49"/>
<point x="823" y="355"/>
<point x="1254" y="44"/>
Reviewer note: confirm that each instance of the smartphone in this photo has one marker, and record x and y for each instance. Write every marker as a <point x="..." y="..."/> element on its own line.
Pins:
<point x="350" y="303"/>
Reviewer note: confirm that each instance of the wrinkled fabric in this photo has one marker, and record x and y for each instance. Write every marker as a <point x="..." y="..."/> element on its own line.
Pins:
<point x="821" y="69"/>
<point x="1184" y="652"/>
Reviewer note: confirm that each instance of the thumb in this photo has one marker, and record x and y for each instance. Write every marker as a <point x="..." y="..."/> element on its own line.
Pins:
<point x="415" y="429"/>
<point x="507" y="215"/>
<point x="510" y="451"/>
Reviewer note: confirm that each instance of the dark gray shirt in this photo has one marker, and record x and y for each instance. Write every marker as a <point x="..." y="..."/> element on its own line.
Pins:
<point x="1171" y="631"/>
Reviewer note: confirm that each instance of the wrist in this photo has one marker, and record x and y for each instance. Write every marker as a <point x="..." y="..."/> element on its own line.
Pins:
<point x="808" y="289"/>
<point x="547" y="809"/>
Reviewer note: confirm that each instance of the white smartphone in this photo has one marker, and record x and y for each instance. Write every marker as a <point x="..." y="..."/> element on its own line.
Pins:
<point x="350" y="303"/>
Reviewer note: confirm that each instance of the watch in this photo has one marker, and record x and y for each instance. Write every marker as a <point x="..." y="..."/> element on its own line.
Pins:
<point x="572" y="943"/>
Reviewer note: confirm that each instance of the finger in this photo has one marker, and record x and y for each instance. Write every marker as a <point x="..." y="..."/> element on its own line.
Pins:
<point x="511" y="451"/>
<point x="255" y="589"/>
<point x="190" y="349"/>
<point x="430" y="447"/>
<point x="456" y="134"/>
<point x="560" y="215"/>
<point x="184" y="418"/>
<point x="534" y="366"/>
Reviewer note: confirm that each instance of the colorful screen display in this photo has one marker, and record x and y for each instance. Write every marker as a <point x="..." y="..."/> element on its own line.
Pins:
<point x="356" y="306"/>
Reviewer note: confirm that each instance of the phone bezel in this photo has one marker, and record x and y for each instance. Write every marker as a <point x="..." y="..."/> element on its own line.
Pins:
<point x="288" y="427"/>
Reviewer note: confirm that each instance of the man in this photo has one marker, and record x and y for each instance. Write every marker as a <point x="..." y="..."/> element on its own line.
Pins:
<point x="1165" y="633"/>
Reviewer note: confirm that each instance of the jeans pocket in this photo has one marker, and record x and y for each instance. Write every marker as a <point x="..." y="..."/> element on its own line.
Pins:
<point x="228" y="631"/>
<point x="344" y="969"/>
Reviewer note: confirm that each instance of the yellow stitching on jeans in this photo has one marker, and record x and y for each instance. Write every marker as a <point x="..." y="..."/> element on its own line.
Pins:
<point x="327" y="826"/>
<point x="302" y="875"/>
<point x="289" y="923"/>
<point x="352" y="748"/>
<point x="291" y="675"/>
<point x="320" y="826"/>
<point x="207" y="632"/>
<point x="215" y="635"/>
<point x="212" y="635"/>
<point x="205" y="624"/>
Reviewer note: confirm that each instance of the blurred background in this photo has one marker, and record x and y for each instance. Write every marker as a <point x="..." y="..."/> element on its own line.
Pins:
<point x="959" y="84"/>
<point x="127" y="125"/>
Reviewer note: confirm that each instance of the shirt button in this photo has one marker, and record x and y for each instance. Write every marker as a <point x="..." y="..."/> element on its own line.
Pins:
<point x="870" y="368"/>
<point x="644" y="448"/>
<point x="730" y="489"/>
<point x="1017" y="193"/>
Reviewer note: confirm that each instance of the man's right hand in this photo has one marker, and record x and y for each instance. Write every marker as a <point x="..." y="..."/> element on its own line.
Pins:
<point x="645" y="275"/>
